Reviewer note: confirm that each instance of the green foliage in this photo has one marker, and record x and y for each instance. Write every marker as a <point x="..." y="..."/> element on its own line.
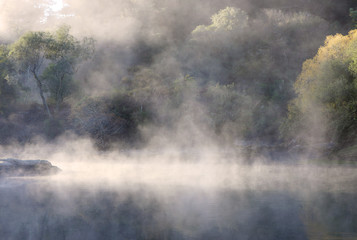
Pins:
<point x="58" y="53"/>
<point x="259" y="58"/>
<point x="65" y="53"/>
<point x="59" y="81"/>
<point x="29" y="54"/>
<point x="29" y="50"/>
<point x="146" y="85"/>
<point x="228" y="107"/>
<point x="7" y="91"/>
<point x="5" y="63"/>
<point x="65" y="46"/>
<point x="327" y="90"/>
<point x="227" y="19"/>
<point x="182" y="89"/>
<point x="238" y="69"/>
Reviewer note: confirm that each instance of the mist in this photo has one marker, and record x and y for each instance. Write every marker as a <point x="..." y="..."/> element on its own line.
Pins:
<point x="179" y="119"/>
<point x="168" y="195"/>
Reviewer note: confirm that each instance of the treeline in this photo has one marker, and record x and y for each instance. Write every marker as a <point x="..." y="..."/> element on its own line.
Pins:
<point x="232" y="78"/>
<point x="325" y="108"/>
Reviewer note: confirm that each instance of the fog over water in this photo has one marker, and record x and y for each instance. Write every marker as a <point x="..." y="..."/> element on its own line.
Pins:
<point x="210" y="83"/>
<point x="161" y="195"/>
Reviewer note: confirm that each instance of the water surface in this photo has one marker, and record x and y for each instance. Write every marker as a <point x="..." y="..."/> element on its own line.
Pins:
<point x="181" y="201"/>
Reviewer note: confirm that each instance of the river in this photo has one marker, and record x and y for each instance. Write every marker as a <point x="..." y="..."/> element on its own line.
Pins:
<point x="181" y="201"/>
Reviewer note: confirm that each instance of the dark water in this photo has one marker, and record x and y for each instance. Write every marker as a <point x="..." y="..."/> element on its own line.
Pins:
<point x="38" y="209"/>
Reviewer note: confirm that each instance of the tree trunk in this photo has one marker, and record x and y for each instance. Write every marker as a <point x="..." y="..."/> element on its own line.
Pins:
<point x="39" y="85"/>
<point x="59" y="93"/>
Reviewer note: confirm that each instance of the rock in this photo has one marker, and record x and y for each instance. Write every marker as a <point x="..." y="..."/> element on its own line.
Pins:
<point x="15" y="167"/>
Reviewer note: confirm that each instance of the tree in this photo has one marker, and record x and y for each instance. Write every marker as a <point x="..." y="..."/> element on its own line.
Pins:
<point x="228" y="19"/>
<point x="65" y="53"/>
<point x="29" y="53"/>
<point x="7" y="91"/>
<point x="259" y="57"/>
<point x="327" y="91"/>
<point x="52" y="59"/>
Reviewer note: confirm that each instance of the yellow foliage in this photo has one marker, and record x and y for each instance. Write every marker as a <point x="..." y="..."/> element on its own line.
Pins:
<point x="318" y="71"/>
<point x="327" y="89"/>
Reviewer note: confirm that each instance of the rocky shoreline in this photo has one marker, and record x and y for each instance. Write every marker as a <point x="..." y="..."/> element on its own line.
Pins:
<point x="16" y="167"/>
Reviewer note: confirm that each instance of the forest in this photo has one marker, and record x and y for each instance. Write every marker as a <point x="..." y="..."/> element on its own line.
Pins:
<point x="276" y="73"/>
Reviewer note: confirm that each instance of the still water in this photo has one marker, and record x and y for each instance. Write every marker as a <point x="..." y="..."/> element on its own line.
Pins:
<point x="181" y="201"/>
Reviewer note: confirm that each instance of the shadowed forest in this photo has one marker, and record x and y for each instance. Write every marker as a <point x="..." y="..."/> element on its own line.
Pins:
<point x="128" y="73"/>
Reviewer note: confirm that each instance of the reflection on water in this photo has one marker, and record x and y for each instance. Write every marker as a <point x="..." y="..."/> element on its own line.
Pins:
<point x="265" y="202"/>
